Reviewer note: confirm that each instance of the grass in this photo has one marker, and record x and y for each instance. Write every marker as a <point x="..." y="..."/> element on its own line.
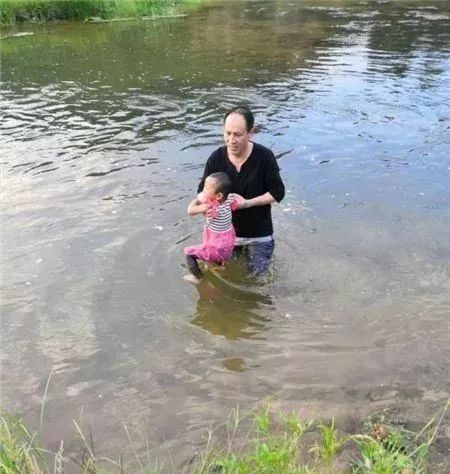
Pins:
<point x="18" y="453"/>
<point x="332" y="443"/>
<point x="288" y="445"/>
<point x="261" y="442"/>
<point x="16" y="11"/>
<point x="275" y="445"/>
<point x="389" y="451"/>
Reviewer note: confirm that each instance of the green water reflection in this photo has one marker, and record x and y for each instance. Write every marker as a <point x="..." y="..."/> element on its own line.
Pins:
<point x="232" y="41"/>
<point x="227" y="310"/>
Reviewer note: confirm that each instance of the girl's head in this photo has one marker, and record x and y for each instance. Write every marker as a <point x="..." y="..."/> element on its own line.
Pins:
<point x="217" y="186"/>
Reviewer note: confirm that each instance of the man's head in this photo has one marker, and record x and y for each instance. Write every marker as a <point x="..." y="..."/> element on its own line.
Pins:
<point x="238" y="124"/>
<point x="244" y="112"/>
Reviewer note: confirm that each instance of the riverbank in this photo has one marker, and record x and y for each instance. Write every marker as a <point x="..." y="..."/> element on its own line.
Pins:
<point x="261" y="441"/>
<point x="19" y="11"/>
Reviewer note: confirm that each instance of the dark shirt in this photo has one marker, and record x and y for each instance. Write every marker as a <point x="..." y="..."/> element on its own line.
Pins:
<point x="259" y="174"/>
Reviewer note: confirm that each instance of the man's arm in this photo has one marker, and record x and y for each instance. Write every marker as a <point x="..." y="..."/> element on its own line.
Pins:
<point x="262" y="200"/>
<point x="273" y="183"/>
<point x="272" y="180"/>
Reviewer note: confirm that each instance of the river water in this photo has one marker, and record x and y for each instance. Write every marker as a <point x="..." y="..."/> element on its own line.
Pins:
<point x="105" y="132"/>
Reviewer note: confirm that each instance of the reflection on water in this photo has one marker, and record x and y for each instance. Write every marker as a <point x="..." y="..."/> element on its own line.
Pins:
<point x="230" y="311"/>
<point x="237" y="364"/>
<point x="105" y="131"/>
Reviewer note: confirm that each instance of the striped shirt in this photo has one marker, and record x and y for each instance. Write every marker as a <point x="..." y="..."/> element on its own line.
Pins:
<point x="221" y="222"/>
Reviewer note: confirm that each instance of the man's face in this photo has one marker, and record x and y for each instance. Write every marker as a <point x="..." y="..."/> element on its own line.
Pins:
<point x="235" y="134"/>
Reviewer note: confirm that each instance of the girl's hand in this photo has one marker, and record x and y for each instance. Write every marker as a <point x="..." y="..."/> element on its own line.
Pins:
<point x="196" y="207"/>
<point x="210" y="212"/>
<point x="204" y="209"/>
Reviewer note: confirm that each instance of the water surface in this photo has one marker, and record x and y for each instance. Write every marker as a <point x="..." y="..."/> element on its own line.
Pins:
<point x="105" y="132"/>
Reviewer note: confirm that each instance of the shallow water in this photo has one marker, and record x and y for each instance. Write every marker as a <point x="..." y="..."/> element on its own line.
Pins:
<point x="105" y="131"/>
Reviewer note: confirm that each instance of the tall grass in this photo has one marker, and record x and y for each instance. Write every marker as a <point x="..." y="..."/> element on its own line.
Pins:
<point x="260" y="442"/>
<point x="14" y="11"/>
<point x="289" y="445"/>
<point x="18" y="452"/>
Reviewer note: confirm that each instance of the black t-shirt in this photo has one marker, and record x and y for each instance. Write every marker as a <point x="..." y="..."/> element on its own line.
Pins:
<point x="259" y="174"/>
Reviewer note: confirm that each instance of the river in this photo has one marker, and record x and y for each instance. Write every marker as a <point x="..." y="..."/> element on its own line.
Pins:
<point x="105" y="132"/>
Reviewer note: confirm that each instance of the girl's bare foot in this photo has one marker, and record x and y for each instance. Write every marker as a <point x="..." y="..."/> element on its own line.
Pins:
<point x="191" y="279"/>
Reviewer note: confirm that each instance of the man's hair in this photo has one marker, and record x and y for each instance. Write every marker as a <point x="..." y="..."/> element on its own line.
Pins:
<point x="223" y="183"/>
<point x="245" y="112"/>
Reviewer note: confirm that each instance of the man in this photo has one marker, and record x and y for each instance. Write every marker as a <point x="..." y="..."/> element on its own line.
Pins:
<point x="255" y="175"/>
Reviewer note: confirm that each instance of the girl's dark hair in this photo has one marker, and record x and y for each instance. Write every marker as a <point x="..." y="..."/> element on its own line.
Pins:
<point x="223" y="183"/>
<point x="245" y="112"/>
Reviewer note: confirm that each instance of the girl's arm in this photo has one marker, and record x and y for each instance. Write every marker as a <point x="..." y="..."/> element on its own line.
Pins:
<point x="197" y="207"/>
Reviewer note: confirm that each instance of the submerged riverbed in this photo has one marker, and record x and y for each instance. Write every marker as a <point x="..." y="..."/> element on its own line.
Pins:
<point x="105" y="132"/>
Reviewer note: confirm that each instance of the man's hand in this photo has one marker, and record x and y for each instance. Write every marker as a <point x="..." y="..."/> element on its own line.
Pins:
<point x="244" y="203"/>
<point x="262" y="200"/>
<point x="240" y="202"/>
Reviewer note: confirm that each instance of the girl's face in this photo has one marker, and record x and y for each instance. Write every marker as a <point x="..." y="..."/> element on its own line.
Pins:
<point x="209" y="189"/>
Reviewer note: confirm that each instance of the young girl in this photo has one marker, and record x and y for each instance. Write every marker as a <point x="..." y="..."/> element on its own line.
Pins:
<point x="218" y="235"/>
